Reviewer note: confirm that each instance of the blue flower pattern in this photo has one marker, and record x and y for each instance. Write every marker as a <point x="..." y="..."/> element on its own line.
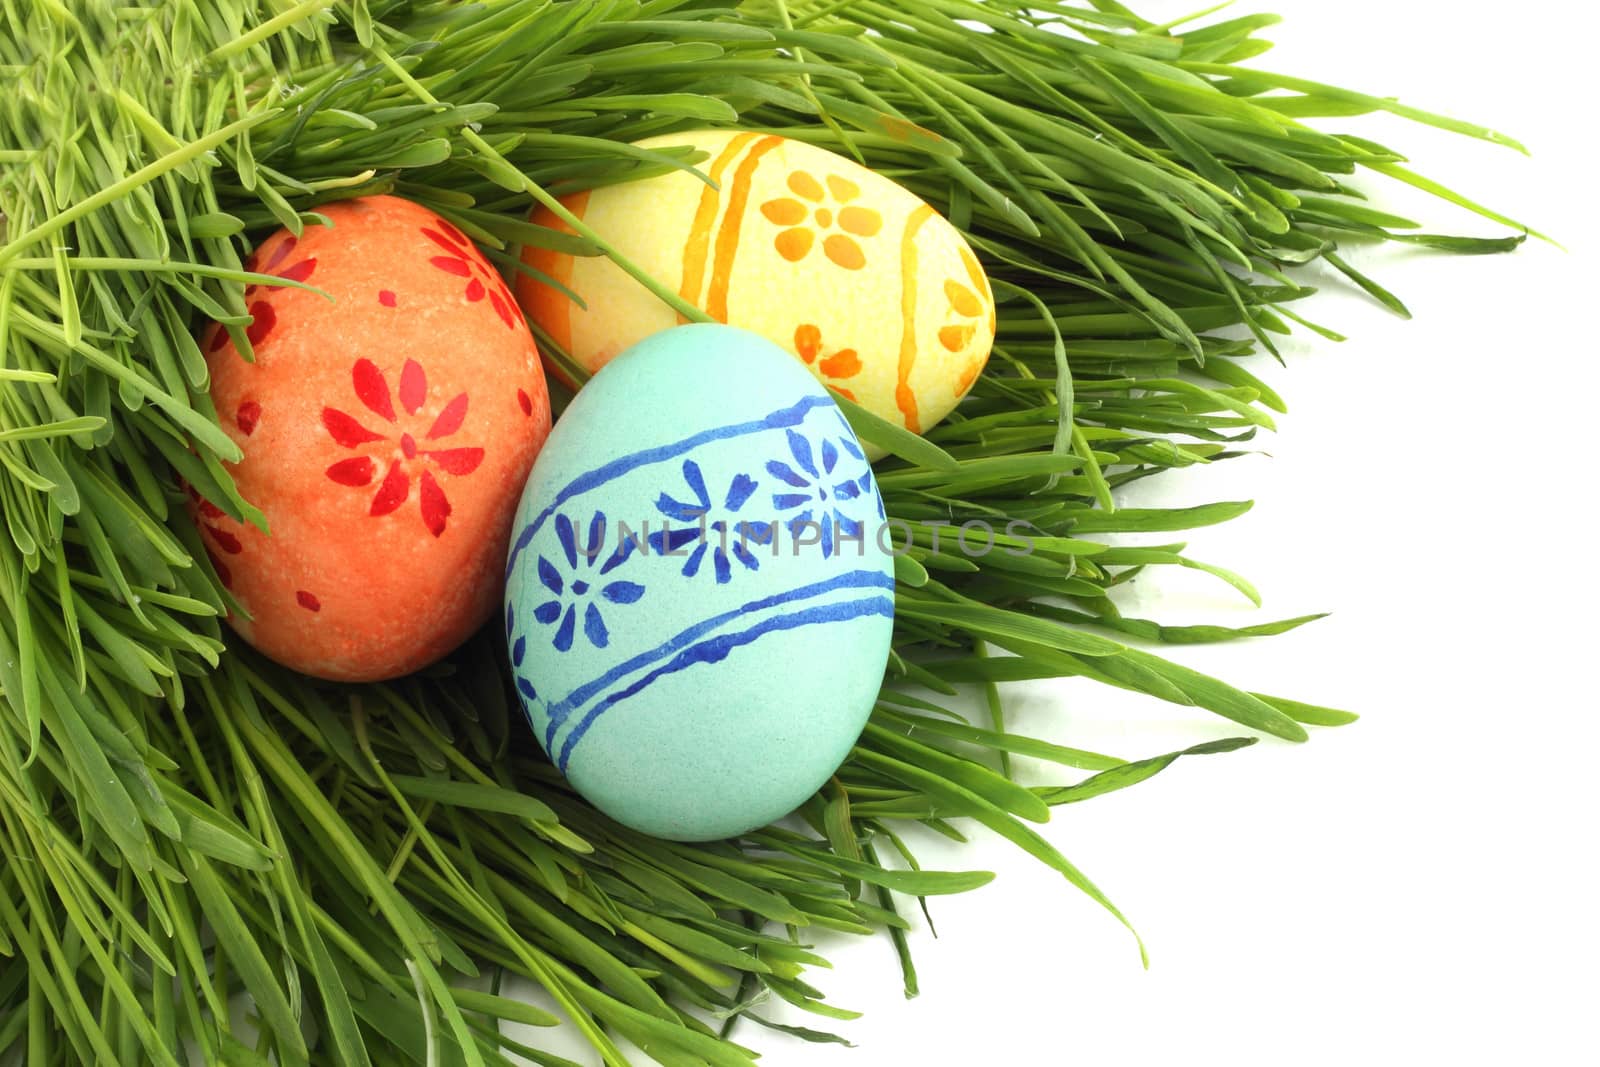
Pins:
<point x="819" y="484"/>
<point x="725" y="539"/>
<point x="575" y="589"/>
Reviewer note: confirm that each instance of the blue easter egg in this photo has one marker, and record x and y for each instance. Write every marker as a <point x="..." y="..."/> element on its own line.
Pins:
<point x="700" y="595"/>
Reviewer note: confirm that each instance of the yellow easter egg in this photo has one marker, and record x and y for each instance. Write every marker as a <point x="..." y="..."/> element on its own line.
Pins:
<point x="875" y="291"/>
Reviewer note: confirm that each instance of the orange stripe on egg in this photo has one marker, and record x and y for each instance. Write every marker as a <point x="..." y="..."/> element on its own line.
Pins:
<point x="705" y="216"/>
<point x="727" y="245"/>
<point x="556" y="315"/>
<point x="904" y="398"/>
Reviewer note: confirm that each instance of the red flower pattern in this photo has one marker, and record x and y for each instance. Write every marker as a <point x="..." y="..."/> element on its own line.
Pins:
<point x="463" y="261"/>
<point x="263" y="317"/>
<point x="372" y="389"/>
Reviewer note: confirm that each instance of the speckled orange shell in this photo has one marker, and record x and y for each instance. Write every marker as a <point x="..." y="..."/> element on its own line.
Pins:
<point x="387" y="435"/>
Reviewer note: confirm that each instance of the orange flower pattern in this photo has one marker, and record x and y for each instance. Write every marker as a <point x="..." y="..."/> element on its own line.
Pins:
<point x="965" y="303"/>
<point x="843" y="364"/>
<point x="825" y="211"/>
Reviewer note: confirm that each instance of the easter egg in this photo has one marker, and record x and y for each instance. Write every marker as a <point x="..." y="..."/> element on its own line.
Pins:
<point x="387" y="430"/>
<point x="700" y="596"/>
<point x="874" y="291"/>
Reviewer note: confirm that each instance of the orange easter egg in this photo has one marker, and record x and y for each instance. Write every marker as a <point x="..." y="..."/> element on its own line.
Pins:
<point x="387" y="434"/>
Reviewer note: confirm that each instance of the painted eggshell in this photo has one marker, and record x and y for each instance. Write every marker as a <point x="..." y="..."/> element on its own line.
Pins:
<point x="699" y="606"/>
<point x="874" y="291"/>
<point x="386" y="434"/>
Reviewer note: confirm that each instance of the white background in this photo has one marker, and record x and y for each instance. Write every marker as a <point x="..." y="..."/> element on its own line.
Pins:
<point x="1418" y="887"/>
